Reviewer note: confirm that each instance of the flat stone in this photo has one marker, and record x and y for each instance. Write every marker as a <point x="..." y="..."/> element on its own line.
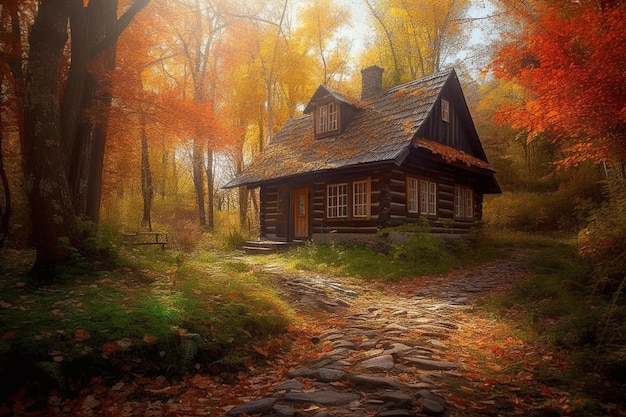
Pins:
<point x="395" y="413"/>
<point x="432" y="407"/>
<point x="430" y="364"/>
<point x="347" y="344"/>
<point x="398" y="348"/>
<point x="398" y="397"/>
<point x="322" y="397"/>
<point x="263" y="405"/>
<point x="437" y="343"/>
<point x="289" y="385"/>
<point x="378" y="363"/>
<point x="302" y="373"/>
<point x="376" y="381"/>
<point x="285" y="410"/>
<point x="395" y="327"/>
<point x="330" y="375"/>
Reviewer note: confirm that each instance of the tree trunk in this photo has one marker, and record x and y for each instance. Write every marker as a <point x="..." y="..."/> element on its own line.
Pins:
<point x="5" y="213"/>
<point x="85" y="136"/>
<point x="147" y="190"/>
<point x="210" y="190"/>
<point x="197" y="161"/>
<point x="95" y="30"/>
<point x="52" y="214"/>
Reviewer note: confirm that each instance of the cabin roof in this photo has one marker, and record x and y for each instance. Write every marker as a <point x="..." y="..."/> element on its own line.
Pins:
<point x="383" y="130"/>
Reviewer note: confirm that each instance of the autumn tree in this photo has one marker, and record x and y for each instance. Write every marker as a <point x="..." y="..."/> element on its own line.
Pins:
<point x="569" y="59"/>
<point x="65" y="119"/>
<point x="415" y="37"/>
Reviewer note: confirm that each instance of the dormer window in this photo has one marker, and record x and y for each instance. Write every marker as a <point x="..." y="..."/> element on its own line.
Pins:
<point x="327" y="119"/>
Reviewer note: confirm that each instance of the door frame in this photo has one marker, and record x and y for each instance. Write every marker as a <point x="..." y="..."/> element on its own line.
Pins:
<point x="294" y="212"/>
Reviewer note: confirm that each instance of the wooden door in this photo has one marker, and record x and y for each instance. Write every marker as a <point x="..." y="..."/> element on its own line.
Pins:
<point x="301" y="213"/>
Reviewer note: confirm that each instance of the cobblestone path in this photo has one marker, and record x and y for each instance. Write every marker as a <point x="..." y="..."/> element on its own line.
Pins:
<point x="391" y="352"/>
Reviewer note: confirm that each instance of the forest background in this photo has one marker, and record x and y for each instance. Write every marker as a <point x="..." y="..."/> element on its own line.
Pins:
<point x="130" y="115"/>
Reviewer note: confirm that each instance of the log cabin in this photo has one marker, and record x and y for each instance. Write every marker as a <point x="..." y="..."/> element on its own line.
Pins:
<point x="351" y="167"/>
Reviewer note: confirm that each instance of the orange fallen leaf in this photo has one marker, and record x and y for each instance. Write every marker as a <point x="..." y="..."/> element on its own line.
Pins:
<point x="150" y="339"/>
<point x="261" y="350"/>
<point x="4" y="304"/>
<point x="10" y="335"/>
<point x="109" y="347"/>
<point x="82" y="334"/>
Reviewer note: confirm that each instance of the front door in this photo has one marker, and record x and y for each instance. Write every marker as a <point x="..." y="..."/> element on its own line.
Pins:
<point x="301" y="213"/>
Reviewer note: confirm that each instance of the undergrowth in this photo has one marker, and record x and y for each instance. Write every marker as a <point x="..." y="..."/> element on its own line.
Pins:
<point x="418" y="254"/>
<point x="558" y="308"/>
<point x="165" y="312"/>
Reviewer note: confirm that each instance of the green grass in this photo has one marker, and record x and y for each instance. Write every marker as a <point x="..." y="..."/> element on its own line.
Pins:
<point x="166" y="311"/>
<point x="419" y="255"/>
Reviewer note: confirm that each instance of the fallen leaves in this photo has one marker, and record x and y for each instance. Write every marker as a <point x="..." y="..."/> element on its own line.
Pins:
<point x="10" y="335"/>
<point x="82" y="335"/>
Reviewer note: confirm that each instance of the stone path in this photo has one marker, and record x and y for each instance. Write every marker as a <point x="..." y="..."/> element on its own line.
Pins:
<point x="390" y="357"/>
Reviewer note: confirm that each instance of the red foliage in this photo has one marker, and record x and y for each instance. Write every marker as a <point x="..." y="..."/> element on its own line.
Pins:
<point x="571" y="64"/>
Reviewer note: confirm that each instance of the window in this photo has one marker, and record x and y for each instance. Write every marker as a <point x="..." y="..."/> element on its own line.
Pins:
<point x="463" y="203"/>
<point x="412" y="195"/>
<point x="421" y="196"/>
<point x="445" y="110"/>
<point x="337" y="201"/>
<point x="428" y="198"/>
<point x="360" y="199"/>
<point x="327" y="118"/>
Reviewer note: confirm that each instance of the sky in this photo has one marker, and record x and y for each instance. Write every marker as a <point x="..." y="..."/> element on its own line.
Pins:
<point x="359" y="30"/>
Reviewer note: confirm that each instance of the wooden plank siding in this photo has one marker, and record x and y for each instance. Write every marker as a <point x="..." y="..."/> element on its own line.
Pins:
<point x="388" y="200"/>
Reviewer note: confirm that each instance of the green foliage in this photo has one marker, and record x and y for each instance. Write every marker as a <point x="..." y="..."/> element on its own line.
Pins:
<point x="566" y="208"/>
<point x="557" y="306"/>
<point x="418" y="254"/>
<point x="233" y="239"/>
<point x="174" y="311"/>
<point x="424" y="254"/>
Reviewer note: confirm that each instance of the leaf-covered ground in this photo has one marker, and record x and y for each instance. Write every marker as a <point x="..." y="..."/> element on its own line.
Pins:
<point x="501" y="366"/>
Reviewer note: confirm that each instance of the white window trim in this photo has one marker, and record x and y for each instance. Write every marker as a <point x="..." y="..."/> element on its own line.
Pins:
<point x="445" y="110"/>
<point x="412" y="195"/>
<point x="428" y="198"/>
<point x="364" y="204"/>
<point x="336" y="206"/>
<point x="463" y="202"/>
<point x="327" y="118"/>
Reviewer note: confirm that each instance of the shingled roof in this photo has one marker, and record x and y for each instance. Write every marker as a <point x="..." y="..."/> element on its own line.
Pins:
<point x="383" y="130"/>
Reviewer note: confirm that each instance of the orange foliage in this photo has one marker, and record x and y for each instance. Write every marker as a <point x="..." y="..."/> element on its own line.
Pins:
<point x="571" y="63"/>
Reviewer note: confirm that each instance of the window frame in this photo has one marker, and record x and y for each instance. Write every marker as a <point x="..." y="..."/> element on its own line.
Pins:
<point x="337" y="203"/>
<point x="366" y="204"/>
<point x="428" y="197"/>
<point x="412" y="195"/>
<point x="421" y="200"/>
<point x="327" y="119"/>
<point x="445" y="110"/>
<point x="335" y="210"/>
<point x="463" y="202"/>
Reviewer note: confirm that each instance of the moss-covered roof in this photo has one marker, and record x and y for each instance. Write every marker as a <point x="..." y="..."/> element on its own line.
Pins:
<point x="383" y="130"/>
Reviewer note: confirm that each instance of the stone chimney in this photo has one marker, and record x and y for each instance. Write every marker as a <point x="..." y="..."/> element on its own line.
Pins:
<point x="371" y="81"/>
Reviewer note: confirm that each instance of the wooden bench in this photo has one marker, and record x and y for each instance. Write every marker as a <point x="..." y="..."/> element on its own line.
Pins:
<point x="145" y="238"/>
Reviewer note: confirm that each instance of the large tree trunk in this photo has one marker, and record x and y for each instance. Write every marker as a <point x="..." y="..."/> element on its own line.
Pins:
<point x="52" y="214"/>
<point x="147" y="189"/>
<point x="197" y="161"/>
<point x="86" y="101"/>
<point x="210" y="190"/>
<point x="5" y="213"/>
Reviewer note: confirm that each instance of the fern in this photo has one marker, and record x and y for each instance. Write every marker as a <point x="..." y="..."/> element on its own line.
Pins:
<point x="53" y="370"/>
<point x="189" y="349"/>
